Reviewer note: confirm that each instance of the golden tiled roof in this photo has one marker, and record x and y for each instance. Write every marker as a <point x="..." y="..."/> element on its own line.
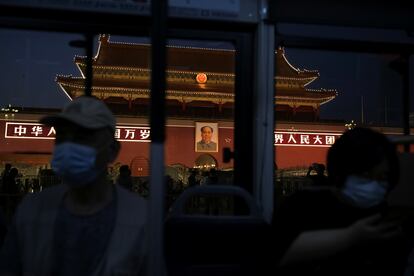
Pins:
<point x="122" y="70"/>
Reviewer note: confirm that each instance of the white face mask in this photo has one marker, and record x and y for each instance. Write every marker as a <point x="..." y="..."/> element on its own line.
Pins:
<point x="364" y="192"/>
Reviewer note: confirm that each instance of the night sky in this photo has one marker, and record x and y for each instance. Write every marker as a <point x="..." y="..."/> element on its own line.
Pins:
<point x="31" y="60"/>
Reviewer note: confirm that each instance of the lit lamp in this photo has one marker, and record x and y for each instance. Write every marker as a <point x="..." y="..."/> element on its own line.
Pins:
<point x="351" y="125"/>
<point x="9" y="111"/>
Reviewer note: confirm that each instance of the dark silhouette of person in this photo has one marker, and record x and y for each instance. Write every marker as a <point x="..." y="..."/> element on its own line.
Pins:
<point x="11" y="191"/>
<point x="85" y="225"/>
<point x="124" y="178"/>
<point x="7" y="168"/>
<point x="4" y="174"/>
<point x="344" y="230"/>
<point x="3" y="226"/>
<point x="171" y="191"/>
<point x="10" y="183"/>
<point x="192" y="181"/>
<point x="212" y="178"/>
<point x="318" y="179"/>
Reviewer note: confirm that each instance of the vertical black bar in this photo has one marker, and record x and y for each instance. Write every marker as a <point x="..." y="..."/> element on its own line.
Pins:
<point x="406" y="97"/>
<point x="157" y="121"/>
<point x="243" y="140"/>
<point x="159" y="10"/>
<point x="89" y="60"/>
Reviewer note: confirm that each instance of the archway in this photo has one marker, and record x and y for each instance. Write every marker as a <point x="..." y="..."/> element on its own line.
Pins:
<point x="139" y="166"/>
<point x="205" y="162"/>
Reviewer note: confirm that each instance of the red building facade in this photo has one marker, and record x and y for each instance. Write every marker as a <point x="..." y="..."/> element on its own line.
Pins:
<point x="25" y="140"/>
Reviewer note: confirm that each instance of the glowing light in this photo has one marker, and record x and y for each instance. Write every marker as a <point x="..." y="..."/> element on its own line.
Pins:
<point x="201" y="78"/>
<point x="351" y="125"/>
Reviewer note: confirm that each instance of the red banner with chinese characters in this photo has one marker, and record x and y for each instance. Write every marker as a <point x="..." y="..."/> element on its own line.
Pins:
<point x="29" y="131"/>
<point x="142" y="134"/>
<point x="39" y="131"/>
<point x="307" y="139"/>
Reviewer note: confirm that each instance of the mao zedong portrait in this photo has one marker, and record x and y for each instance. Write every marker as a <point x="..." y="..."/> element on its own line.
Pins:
<point x="206" y="144"/>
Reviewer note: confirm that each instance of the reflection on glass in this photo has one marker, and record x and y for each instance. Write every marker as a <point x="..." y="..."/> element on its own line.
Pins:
<point x="43" y="72"/>
<point x="357" y="90"/>
<point x="30" y="62"/>
<point x="200" y="115"/>
<point x="72" y="149"/>
<point x="121" y="78"/>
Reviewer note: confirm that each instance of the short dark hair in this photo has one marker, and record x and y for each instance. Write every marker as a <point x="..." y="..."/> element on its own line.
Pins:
<point x="358" y="151"/>
<point x="201" y="129"/>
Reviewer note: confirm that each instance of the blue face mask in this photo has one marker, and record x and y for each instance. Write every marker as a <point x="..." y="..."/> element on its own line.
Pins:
<point x="75" y="163"/>
<point x="364" y="192"/>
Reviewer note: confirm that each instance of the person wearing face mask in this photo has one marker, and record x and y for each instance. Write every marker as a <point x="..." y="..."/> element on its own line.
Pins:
<point x="343" y="230"/>
<point x="85" y="225"/>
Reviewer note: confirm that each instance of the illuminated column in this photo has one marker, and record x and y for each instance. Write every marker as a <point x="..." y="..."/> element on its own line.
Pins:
<point x="316" y="112"/>
<point x="294" y="109"/>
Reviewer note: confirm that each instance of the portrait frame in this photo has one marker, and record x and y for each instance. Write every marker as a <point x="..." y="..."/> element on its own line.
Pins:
<point x="198" y="140"/>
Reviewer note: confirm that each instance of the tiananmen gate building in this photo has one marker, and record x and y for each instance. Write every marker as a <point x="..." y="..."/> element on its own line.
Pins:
<point x="200" y="91"/>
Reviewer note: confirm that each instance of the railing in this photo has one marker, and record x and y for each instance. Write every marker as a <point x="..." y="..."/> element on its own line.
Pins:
<point x="33" y="184"/>
<point x="285" y="185"/>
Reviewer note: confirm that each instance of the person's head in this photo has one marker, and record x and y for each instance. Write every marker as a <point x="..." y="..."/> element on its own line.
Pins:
<point x="85" y="142"/>
<point x="319" y="168"/>
<point x="363" y="163"/>
<point x="124" y="170"/>
<point x="206" y="133"/>
<point x="7" y="167"/>
<point x="13" y="172"/>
